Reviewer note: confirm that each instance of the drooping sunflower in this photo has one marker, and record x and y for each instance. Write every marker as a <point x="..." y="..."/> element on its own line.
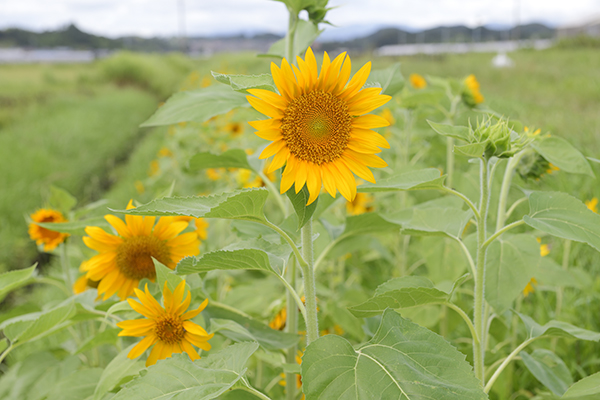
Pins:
<point x="417" y="81"/>
<point x="168" y="328"/>
<point x="471" y="94"/>
<point x="50" y="239"/>
<point x="126" y="258"/>
<point x="318" y="125"/>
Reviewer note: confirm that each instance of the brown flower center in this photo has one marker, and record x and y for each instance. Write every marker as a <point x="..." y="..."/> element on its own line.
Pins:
<point x="134" y="256"/>
<point x="47" y="233"/>
<point x="316" y="127"/>
<point x="169" y="329"/>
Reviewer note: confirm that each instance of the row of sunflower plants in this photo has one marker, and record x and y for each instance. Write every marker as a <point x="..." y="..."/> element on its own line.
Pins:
<point x="415" y="284"/>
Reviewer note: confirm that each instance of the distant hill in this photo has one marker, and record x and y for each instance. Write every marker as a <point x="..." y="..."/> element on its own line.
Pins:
<point x="70" y="36"/>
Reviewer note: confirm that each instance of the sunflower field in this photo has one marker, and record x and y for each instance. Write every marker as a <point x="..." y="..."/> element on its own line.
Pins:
<point x="320" y="230"/>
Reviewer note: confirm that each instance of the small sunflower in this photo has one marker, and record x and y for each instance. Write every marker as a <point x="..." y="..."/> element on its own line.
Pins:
<point x="318" y="127"/>
<point x="361" y="204"/>
<point x="592" y="204"/>
<point x="168" y="328"/>
<point x="278" y="322"/>
<point x="126" y="259"/>
<point x="530" y="288"/>
<point x="200" y="224"/>
<point x="471" y="94"/>
<point x="50" y="239"/>
<point x="417" y="81"/>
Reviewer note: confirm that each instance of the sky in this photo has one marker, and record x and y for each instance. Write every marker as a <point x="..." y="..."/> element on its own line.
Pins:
<point x="149" y="18"/>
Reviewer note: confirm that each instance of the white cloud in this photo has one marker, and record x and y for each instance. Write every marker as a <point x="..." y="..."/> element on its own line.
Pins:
<point x="160" y="17"/>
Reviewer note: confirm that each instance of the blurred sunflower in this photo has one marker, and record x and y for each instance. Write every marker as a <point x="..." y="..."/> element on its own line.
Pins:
<point x="167" y="328"/>
<point x="471" y="94"/>
<point x="592" y="204"/>
<point x="417" y="81"/>
<point x="50" y="239"/>
<point x="530" y="288"/>
<point x="361" y="204"/>
<point x="126" y="259"/>
<point x="318" y="127"/>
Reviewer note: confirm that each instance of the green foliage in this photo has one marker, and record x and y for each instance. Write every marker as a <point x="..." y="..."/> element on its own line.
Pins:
<point x="14" y="279"/>
<point x="197" y="105"/>
<point x="562" y="154"/>
<point x="549" y="369"/>
<point x="269" y="339"/>
<point x="241" y="83"/>
<point x="562" y="215"/>
<point x="588" y="386"/>
<point x="402" y="361"/>
<point x="305" y="34"/>
<point x="75" y="227"/>
<point x="117" y="371"/>
<point x="389" y="79"/>
<point x="299" y="202"/>
<point x="424" y="179"/>
<point x="207" y="378"/>
<point x="234" y="158"/>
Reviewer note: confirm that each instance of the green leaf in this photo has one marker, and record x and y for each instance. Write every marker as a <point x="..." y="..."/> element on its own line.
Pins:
<point x="197" y="105"/>
<point x="456" y="132"/>
<point x="12" y="280"/>
<point x="305" y="35"/>
<point x="299" y="200"/>
<point x="557" y="329"/>
<point x="252" y="254"/>
<point x="512" y="260"/>
<point x="77" y="386"/>
<point x="116" y="371"/>
<point x="562" y="215"/>
<point x="108" y="336"/>
<point x="178" y="377"/>
<point x="403" y="361"/>
<point x="562" y="154"/>
<point x="367" y="223"/>
<point x="3" y="345"/>
<point x="75" y="227"/>
<point x="421" y="98"/>
<point x="474" y="150"/>
<point x="552" y="274"/>
<point x="234" y="158"/>
<point x="37" y="325"/>
<point x="588" y="386"/>
<point x="549" y="369"/>
<point x="423" y="179"/>
<point x="390" y="79"/>
<point x="270" y="339"/>
<point x="448" y="221"/>
<point x="245" y="204"/>
<point x="238" y="333"/>
<point x="61" y="200"/>
<point x="241" y="83"/>
<point x="397" y="293"/>
<point x="166" y="274"/>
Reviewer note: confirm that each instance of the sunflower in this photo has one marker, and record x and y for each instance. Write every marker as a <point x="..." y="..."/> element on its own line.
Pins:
<point x="361" y="204"/>
<point x="50" y="239"/>
<point x="417" y="81"/>
<point x="200" y="224"/>
<point x="318" y="126"/>
<point x="167" y="328"/>
<point x="530" y="288"/>
<point x="592" y="204"/>
<point x="471" y="94"/>
<point x="126" y="259"/>
<point x="279" y="321"/>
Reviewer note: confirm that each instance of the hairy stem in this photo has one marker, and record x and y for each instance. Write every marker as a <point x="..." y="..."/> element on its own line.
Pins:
<point x="291" y="326"/>
<point x="312" y="323"/>
<point x="506" y="181"/>
<point x="507" y="360"/>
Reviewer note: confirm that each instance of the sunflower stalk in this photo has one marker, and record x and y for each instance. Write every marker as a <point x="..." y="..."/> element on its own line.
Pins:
<point x="66" y="267"/>
<point x="291" y="327"/>
<point x="312" y="324"/>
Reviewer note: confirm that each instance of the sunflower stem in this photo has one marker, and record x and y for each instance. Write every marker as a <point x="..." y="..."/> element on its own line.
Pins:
<point x="289" y="39"/>
<point x="312" y="323"/>
<point x="506" y="181"/>
<point x="64" y="262"/>
<point x="479" y="313"/>
<point x="291" y="326"/>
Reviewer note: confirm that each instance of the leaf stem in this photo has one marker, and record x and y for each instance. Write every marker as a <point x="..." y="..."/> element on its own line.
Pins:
<point x="466" y="318"/>
<point x="289" y="240"/>
<point x="505" y="189"/>
<point x="5" y="353"/>
<point x="507" y="360"/>
<point x="294" y="294"/>
<point x="501" y="231"/>
<point x="308" y="272"/>
<point x="468" y="255"/>
<point x="246" y="386"/>
<point x="464" y="198"/>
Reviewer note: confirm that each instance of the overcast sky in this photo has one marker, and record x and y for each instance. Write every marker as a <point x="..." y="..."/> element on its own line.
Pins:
<point x="210" y="17"/>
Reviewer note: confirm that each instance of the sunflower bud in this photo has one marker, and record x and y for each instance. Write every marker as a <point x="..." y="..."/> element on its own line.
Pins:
<point x="470" y="91"/>
<point x="498" y="138"/>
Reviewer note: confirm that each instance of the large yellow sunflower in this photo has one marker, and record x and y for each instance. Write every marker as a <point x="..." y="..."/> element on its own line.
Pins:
<point x="50" y="239"/>
<point x="167" y="328"/>
<point x="318" y="127"/>
<point x="126" y="259"/>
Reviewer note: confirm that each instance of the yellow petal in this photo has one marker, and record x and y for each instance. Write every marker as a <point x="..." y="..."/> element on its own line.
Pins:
<point x="343" y="77"/>
<point x="300" y="175"/>
<point x="370" y="121"/>
<point x="357" y="82"/>
<point x="370" y="160"/>
<point x="154" y="354"/>
<point x="272" y="149"/>
<point x="187" y="347"/>
<point x="264" y="107"/>
<point x="358" y="168"/>
<point x="369" y="136"/>
<point x="193" y="328"/>
<point x="280" y="82"/>
<point x="119" y="225"/>
<point x="142" y="346"/>
<point x="362" y="147"/>
<point x="313" y="182"/>
<point x="265" y="124"/>
<point x="272" y="98"/>
<point x="279" y="160"/>
<point x="271" y="134"/>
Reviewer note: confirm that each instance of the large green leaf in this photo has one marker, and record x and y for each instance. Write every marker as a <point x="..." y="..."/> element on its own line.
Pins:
<point x="367" y="223"/>
<point x="448" y="221"/>
<point x="305" y="35"/>
<point x="197" y="105"/>
<point x="119" y="369"/>
<point x="269" y="338"/>
<point x="453" y="131"/>
<point x="512" y="260"/>
<point x="474" y="150"/>
<point x="109" y="336"/>
<point x="246" y="204"/>
<point x="12" y="280"/>
<point x="390" y="79"/>
<point x="241" y="83"/>
<point x="402" y="292"/>
<point x="299" y="200"/>
<point x="403" y="361"/>
<point x="586" y="389"/>
<point x="549" y="369"/>
<point x="75" y="227"/>
<point x="77" y="386"/>
<point x="37" y="325"/>
<point x="180" y="378"/>
<point x="252" y="254"/>
<point x="238" y="333"/>
<point x="562" y="215"/>
<point x="234" y="158"/>
<point x="562" y="154"/>
<point x="423" y="179"/>
<point x="557" y="329"/>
